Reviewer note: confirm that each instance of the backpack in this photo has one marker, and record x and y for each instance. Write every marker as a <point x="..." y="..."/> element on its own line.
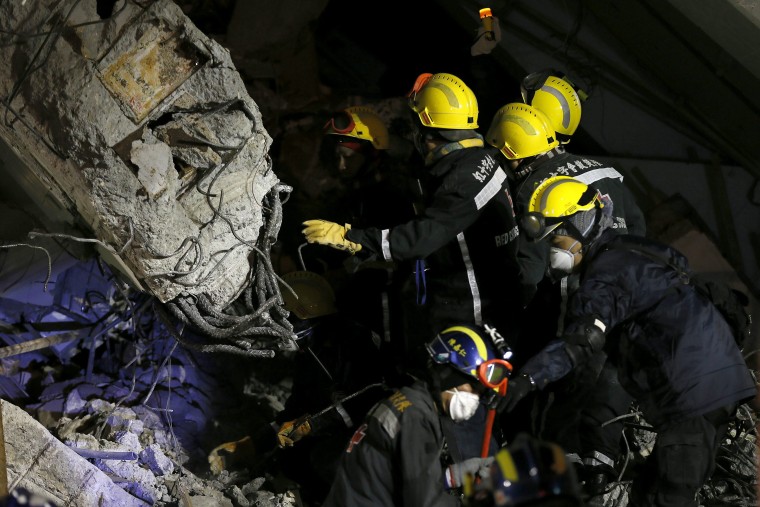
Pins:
<point x="731" y="303"/>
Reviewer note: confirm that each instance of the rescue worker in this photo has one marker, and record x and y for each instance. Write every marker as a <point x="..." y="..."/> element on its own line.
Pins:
<point x="357" y="143"/>
<point x="527" y="472"/>
<point x="558" y="98"/>
<point x="594" y="438"/>
<point x="397" y="457"/>
<point x="675" y="353"/>
<point x="360" y="178"/>
<point x="532" y="137"/>
<point x="524" y="135"/>
<point x="465" y="235"/>
<point x="370" y="291"/>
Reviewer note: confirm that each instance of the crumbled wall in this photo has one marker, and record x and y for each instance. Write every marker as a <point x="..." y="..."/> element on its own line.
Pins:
<point x="141" y="128"/>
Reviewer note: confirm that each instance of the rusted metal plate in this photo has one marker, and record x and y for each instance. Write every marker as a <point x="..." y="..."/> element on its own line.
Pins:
<point x="144" y="76"/>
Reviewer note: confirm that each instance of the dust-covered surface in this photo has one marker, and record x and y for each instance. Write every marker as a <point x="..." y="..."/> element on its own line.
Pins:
<point x="118" y="413"/>
<point x="143" y="131"/>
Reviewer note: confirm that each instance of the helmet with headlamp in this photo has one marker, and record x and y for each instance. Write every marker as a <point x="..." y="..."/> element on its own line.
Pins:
<point x="465" y="348"/>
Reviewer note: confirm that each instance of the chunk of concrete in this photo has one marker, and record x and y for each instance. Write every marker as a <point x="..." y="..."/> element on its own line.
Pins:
<point x="154" y="458"/>
<point x="42" y="464"/>
<point x="143" y="130"/>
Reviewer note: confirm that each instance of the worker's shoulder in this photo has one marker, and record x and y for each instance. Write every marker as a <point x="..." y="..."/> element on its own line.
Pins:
<point x="471" y="168"/>
<point x="406" y="403"/>
<point x="476" y="155"/>
<point x="588" y="169"/>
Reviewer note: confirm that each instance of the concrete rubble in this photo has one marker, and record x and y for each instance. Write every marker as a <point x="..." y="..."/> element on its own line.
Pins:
<point x="52" y="468"/>
<point x="137" y="430"/>
<point x="99" y="452"/>
<point x="45" y="466"/>
<point x="141" y="130"/>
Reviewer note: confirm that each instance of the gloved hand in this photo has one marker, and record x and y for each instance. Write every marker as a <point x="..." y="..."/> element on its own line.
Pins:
<point x="330" y="234"/>
<point x="477" y="467"/>
<point x="230" y="455"/>
<point x="517" y="389"/>
<point x="293" y="431"/>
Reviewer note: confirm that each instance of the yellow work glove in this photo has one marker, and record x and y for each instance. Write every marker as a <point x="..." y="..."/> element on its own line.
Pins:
<point x="330" y="234"/>
<point x="293" y="431"/>
<point x="230" y="455"/>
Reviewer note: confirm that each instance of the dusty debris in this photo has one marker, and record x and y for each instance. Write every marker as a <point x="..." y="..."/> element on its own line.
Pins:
<point x="43" y="465"/>
<point x="734" y="481"/>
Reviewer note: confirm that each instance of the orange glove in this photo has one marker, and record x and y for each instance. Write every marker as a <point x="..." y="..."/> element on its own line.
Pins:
<point x="293" y="431"/>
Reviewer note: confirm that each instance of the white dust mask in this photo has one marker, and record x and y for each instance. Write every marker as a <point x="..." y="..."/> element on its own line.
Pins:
<point x="463" y="405"/>
<point x="562" y="260"/>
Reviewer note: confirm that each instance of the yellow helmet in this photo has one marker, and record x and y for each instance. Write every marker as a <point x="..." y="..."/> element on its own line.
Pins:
<point x="359" y="122"/>
<point x="315" y="297"/>
<point x="559" y="200"/>
<point x="443" y="101"/>
<point x="557" y="98"/>
<point x="519" y="131"/>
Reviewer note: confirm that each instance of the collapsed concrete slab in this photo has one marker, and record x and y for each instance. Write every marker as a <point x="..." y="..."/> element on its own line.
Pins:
<point x="140" y="122"/>
<point x="140" y="129"/>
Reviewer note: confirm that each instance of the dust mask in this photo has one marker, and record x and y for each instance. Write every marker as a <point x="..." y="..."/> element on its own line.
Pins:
<point x="561" y="260"/>
<point x="463" y="405"/>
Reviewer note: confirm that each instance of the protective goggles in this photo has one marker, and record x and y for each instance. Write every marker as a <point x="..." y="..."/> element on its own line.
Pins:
<point x="340" y="123"/>
<point x="536" y="226"/>
<point x="491" y="373"/>
<point x="419" y="84"/>
<point x="441" y="353"/>
<point x="494" y="374"/>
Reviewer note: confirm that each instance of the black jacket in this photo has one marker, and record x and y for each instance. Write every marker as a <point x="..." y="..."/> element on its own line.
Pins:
<point x="393" y="459"/>
<point x="467" y="236"/>
<point x="674" y="351"/>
